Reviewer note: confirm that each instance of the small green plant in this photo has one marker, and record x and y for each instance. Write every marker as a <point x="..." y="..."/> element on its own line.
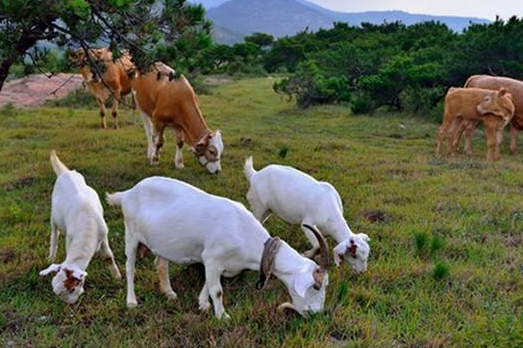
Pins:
<point x="8" y="110"/>
<point x="284" y="150"/>
<point x="436" y="244"/>
<point x="420" y="240"/>
<point x="440" y="271"/>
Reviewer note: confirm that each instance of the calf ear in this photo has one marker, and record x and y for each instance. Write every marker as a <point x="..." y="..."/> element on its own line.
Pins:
<point x="303" y="281"/>
<point x="502" y="91"/>
<point x="51" y="269"/>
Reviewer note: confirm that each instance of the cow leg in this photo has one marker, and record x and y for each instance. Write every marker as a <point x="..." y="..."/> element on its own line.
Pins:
<point x="148" y="127"/>
<point x="514" y="132"/>
<point x="114" y="111"/>
<point x="158" y="142"/>
<point x="101" y="104"/>
<point x="491" y="142"/>
<point x="457" y="135"/>
<point x="441" y="136"/>
<point x="178" y="158"/>
<point x="452" y="130"/>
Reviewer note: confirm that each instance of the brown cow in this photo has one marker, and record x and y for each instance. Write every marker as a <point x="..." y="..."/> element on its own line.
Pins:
<point x="115" y="81"/>
<point x="165" y="102"/>
<point x="494" y="108"/>
<point x="515" y="88"/>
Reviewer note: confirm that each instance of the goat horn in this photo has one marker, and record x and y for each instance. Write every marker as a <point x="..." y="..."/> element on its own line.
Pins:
<point x="324" y="249"/>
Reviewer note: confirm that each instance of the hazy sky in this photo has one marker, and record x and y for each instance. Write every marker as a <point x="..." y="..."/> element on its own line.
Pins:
<point x="475" y="8"/>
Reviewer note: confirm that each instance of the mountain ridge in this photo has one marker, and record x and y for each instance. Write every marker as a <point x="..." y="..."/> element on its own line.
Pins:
<point x="280" y="18"/>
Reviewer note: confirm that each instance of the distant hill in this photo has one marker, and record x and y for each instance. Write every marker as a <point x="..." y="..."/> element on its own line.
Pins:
<point x="235" y="19"/>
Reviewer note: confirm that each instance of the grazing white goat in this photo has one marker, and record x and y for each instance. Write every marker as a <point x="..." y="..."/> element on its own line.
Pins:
<point x="185" y="225"/>
<point x="77" y="212"/>
<point x="300" y="199"/>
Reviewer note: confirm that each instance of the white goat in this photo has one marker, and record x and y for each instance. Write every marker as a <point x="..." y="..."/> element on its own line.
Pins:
<point x="185" y="225"/>
<point x="77" y="212"/>
<point x="300" y="199"/>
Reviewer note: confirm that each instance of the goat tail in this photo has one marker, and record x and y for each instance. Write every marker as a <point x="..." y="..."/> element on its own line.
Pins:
<point x="114" y="199"/>
<point x="248" y="169"/>
<point x="58" y="166"/>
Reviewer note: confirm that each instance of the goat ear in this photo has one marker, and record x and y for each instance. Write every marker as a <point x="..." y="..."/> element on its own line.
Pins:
<point x="364" y="237"/>
<point x="51" y="269"/>
<point x="339" y="251"/>
<point x="303" y="281"/>
<point x="199" y="148"/>
<point x="79" y="274"/>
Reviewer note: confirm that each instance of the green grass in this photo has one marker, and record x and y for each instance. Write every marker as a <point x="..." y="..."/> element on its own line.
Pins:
<point x="446" y="263"/>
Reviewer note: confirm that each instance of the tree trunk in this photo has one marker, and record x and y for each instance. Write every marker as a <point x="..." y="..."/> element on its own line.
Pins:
<point x="4" y="70"/>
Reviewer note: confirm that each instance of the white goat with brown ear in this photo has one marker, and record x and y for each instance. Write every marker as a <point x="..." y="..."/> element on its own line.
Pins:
<point x="184" y="225"/>
<point x="300" y="199"/>
<point x="77" y="212"/>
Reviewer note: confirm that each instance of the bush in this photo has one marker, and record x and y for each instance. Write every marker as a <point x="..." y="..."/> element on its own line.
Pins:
<point x="78" y="98"/>
<point x="362" y="105"/>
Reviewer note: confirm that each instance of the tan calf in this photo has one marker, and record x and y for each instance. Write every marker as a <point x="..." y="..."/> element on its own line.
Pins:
<point x="494" y="108"/>
<point x="114" y="83"/>
<point x="165" y="102"/>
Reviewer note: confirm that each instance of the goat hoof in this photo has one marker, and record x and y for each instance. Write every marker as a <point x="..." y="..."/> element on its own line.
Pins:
<point x="132" y="304"/>
<point x="204" y="307"/>
<point x="171" y="295"/>
<point x="179" y="165"/>
<point x="155" y="161"/>
<point x="225" y="316"/>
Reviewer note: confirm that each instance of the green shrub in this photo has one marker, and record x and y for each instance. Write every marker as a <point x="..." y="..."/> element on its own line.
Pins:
<point x="440" y="271"/>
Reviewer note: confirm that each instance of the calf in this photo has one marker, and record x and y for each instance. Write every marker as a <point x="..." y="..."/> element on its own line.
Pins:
<point x="185" y="225"/>
<point x="77" y="212"/>
<point x="494" y="108"/>
<point x="165" y="102"/>
<point x="114" y="82"/>
<point x="300" y="199"/>
<point x="515" y="87"/>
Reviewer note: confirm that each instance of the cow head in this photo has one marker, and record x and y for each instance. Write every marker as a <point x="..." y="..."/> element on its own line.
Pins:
<point x="498" y="103"/>
<point x="355" y="250"/>
<point x="68" y="283"/>
<point x="209" y="150"/>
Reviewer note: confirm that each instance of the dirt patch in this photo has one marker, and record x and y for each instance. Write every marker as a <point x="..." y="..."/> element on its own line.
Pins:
<point x="6" y="255"/>
<point x="35" y="90"/>
<point x="374" y="215"/>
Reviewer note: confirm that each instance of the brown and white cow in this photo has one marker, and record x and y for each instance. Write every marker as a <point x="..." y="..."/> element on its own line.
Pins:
<point x="114" y="83"/>
<point x="515" y="88"/>
<point x="494" y="108"/>
<point x="165" y="102"/>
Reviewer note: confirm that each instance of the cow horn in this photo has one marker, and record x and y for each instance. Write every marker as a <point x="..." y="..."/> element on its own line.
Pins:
<point x="324" y="249"/>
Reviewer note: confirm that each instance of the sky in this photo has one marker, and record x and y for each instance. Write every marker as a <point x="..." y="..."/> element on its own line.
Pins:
<point x="468" y="8"/>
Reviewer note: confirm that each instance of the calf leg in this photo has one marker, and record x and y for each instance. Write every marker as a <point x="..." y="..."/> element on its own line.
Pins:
<point x="131" y="246"/>
<point x="499" y="141"/>
<point x="471" y="126"/>
<point x="491" y="143"/>
<point x="108" y="255"/>
<point x="162" y="267"/>
<point x="312" y="238"/>
<point x="514" y="132"/>
<point x="101" y="105"/>
<point x="53" y="243"/>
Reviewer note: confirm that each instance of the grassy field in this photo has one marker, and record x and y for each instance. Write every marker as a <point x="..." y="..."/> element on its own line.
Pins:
<point x="446" y="265"/>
